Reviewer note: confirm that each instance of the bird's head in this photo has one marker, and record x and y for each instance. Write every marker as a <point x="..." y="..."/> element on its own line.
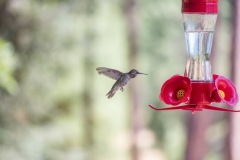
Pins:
<point x="133" y="73"/>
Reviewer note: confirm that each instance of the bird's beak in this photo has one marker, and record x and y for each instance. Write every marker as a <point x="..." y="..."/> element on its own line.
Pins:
<point x="142" y="73"/>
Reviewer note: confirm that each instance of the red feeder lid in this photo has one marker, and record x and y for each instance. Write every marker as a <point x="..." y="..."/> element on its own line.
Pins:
<point x="200" y="6"/>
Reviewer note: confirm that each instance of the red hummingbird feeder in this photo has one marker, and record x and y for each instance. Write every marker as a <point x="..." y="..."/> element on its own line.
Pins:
<point x="198" y="88"/>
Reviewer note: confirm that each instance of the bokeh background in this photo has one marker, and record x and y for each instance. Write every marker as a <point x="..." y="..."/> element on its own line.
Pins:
<point x="52" y="101"/>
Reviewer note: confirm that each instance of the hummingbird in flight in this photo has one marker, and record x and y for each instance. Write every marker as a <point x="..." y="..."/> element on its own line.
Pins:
<point x="121" y="78"/>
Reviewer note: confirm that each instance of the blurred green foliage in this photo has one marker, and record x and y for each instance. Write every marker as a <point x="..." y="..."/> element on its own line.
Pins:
<point x="8" y="63"/>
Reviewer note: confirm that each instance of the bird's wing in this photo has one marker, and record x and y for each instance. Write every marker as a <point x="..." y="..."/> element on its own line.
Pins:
<point x="111" y="73"/>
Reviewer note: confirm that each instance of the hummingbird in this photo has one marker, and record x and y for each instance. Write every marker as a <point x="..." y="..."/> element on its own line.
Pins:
<point x="121" y="78"/>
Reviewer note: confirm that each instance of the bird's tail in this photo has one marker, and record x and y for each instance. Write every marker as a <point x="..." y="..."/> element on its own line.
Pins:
<point x="110" y="94"/>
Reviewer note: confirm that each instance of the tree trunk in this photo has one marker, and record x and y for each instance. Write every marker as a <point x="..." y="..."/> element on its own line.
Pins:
<point x="234" y="119"/>
<point x="136" y="112"/>
<point x="196" y="145"/>
<point x="88" y="76"/>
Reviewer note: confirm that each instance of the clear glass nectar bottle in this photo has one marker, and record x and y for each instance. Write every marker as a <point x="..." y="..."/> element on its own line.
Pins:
<point x="199" y="19"/>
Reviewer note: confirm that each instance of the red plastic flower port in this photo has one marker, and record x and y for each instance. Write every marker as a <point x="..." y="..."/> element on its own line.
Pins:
<point x="176" y="90"/>
<point x="198" y="96"/>
<point x="224" y="91"/>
